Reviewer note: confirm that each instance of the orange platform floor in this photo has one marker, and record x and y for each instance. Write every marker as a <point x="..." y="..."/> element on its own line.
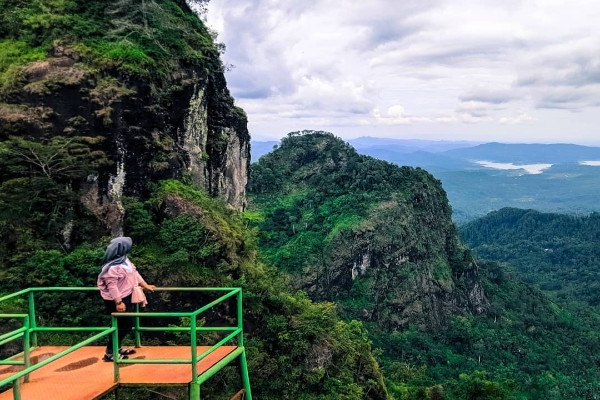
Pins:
<point x="82" y="375"/>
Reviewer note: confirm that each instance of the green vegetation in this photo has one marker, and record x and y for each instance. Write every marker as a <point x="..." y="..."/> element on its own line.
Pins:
<point x="15" y="54"/>
<point x="525" y="347"/>
<point x="297" y="349"/>
<point x="326" y="211"/>
<point x="558" y="253"/>
<point x="355" y="281"/>
<point x="144" y="38"/>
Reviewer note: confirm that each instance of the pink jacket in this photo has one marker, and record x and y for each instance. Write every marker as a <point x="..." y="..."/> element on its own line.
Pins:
<point x="118" y="281"/>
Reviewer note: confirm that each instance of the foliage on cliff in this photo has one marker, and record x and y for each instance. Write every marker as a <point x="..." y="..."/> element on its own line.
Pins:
<point x="297" y="349"/>
<point x="147" y="37"/>
<point x="100" y="100"/>
<point x="525" y="347"/>
<point x="313" y="190"/>
<point x="372" y="236"/>
<point x="558" y="253"/>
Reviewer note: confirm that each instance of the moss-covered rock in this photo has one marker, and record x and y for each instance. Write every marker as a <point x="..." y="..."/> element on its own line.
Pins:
<point x="375" y="237"/>
<point x="143" y="76"/>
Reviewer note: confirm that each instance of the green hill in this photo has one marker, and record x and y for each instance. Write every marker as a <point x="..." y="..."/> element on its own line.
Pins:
<point x="378" y="240"/>
<point x="558" y="253"/>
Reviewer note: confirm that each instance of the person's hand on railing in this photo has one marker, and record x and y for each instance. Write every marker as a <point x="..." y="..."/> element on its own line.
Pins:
<point x="151" y="288"/>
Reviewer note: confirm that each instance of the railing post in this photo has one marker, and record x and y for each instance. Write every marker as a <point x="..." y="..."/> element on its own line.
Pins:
<point x="115" y="348"/>
<point x="245" y="375"/>
<point x="194" y="344"/>
<point x="32" y="323"/>
<point x="240" y="319"/>
<point x="26" y="346"/>
<point x="138" y="339"/>
<point x="16" y="390"/>
<point x="243" y="360"/>
<point x="194" y="391"/>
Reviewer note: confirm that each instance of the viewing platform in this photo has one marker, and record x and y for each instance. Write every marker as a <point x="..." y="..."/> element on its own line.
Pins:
<point x="77" y="372"/>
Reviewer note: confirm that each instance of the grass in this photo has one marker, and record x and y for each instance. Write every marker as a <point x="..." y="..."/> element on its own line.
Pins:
<point x="143" y="39"/>
<point x="15" y="54"/>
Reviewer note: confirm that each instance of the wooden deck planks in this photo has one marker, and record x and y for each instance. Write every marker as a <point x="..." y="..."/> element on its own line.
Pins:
<point x="82" y="375"/>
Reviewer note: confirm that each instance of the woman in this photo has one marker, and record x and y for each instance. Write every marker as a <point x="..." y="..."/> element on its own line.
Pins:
<point x="116" y="282"/>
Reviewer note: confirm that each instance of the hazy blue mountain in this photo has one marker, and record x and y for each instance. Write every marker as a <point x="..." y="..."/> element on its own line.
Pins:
<point x="259" y="149"/>
<point x="430" y="161"/>
<point x="527" y="153"/>
<point x="408" y="145"/>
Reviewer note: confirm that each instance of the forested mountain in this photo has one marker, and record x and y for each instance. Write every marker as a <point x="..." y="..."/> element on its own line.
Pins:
<point x="115" y="119"/>
<point x="558" y="253"/>
<point x="480" y="178"/>
<point x="378" y="240"/>
<point x="374" y="237"/>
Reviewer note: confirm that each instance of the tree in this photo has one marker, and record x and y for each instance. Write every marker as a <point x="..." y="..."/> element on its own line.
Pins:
<point x="59" y="159"/>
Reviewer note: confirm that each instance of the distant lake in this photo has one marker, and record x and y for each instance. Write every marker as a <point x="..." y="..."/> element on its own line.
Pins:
<point x="592" y="163"/>
<point x="530" y="168"/>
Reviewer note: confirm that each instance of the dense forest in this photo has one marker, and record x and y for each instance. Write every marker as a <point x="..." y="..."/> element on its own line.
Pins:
<point x="315" y="198"/>
<point x="285" y="330"/>
<point x="557" y="253"/>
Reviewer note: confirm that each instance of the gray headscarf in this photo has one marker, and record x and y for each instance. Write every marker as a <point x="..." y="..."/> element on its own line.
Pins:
<point x="116" y="252"/>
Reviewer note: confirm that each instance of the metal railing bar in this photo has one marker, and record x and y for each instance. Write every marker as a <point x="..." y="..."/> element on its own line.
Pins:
<point x="215" y="302"/>
<point x="152" y="314"/>
<point x="68" y="329"/>
<point x="10" y="296"/>
<point x="93" y="289"/>
<point x="12" y="333"/>
<point x="218" y="366"/>
<point x="194" y="289"/>
<point x="10" y="339"/>
<point x="186" y="329"/>
<point x="12" y="362"/>
<point x="64" y="289"/>
<point x="155" y="361"/>
<point x="219" y="344"/>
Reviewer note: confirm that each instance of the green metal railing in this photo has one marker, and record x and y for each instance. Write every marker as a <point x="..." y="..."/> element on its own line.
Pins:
<point x="29" y="329"/>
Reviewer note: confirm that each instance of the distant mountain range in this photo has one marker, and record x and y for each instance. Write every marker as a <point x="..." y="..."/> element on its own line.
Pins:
<point x="483" y="177"/>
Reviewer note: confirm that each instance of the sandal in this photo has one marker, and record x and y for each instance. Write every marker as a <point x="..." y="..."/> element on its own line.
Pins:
<point x="110" y="357"/>
<point x="126" y="352"/>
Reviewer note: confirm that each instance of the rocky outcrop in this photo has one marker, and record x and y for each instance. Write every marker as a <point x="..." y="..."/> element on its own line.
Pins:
<point x="411" y="268"/>
<point x="112" y="98"/>
<point x="218" y="156"/>
<point x="377" y="239"/>
<point x="145" y="130"/>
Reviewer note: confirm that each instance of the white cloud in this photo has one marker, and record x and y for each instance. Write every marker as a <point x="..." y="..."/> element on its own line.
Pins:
<point x="432" y="66"/>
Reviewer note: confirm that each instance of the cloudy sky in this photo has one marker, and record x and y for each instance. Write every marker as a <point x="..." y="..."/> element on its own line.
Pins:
<point x="482" y="70"/>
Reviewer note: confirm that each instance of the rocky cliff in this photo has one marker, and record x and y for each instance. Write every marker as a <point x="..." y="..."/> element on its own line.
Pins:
<point x="141" y="83"/>
<point x="374" y="237"/>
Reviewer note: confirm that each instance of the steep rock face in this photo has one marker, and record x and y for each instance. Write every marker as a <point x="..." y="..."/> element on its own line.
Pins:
<point x="407" y="261"/>
<point x="176" y="122"/>
<point x="376" y="238"/>
<point x="219" y="154"/>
